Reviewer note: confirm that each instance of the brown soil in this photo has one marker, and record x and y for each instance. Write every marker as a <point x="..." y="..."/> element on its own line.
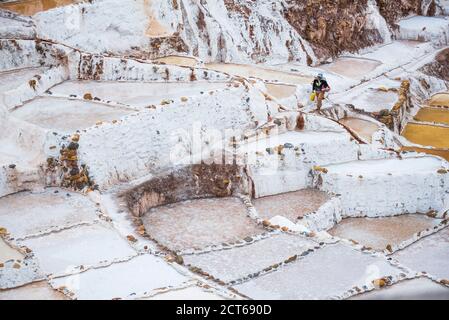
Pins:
<point x="392" y="11"/>
<point x="332" y="27"/>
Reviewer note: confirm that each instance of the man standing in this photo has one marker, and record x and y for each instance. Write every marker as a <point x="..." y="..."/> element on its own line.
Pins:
<point x="320" y="87"/>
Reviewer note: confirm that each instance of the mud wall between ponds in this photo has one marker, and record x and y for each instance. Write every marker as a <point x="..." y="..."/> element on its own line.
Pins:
<point x="191" y="182"/>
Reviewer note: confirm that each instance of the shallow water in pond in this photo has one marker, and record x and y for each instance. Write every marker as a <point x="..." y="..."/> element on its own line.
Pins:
<point x="352" y="67"/>
<point x="441" y="99"/>
<point x="365" y="129"/>
<point x="179" y="61"/>
<point x="437" y="115"/>
<point x="435" y="136"/>
<point x="31" y="7"/>
<point x="427" y="135"/>
<point x="281" y="91"/>
<point x="429" y="254"/>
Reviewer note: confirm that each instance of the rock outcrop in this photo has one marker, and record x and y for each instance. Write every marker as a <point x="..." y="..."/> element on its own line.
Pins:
<point x="263" y="31"/>
<point x="333" y="27"/>
<point x="392" y="11"/>
<point x="270" y="31"/>
<point x="440" y="67"/>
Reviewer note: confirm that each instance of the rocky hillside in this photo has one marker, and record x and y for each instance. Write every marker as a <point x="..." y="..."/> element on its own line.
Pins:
<point x="333" y="27"/>
<point x="440" y="67"/>
<point x="394" y="10"/>
<point x="269" y="31"/>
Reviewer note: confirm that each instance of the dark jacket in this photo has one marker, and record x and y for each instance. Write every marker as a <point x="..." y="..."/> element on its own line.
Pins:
<point x="320" y="85"/>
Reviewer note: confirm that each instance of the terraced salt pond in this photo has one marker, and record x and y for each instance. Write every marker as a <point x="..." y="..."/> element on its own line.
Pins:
<point x="132" y="278"/>
<point x="292" y="205"/>
<point x="236" y="263"/>
<point x="8" y="253"/>
<point x="85" y="245"/>
<point x="434" y="139"/>
<point x="314" y="276"/>
<point x="422" y="28"/>
<point x="265" y="74"/>
<point x="88" y="243"/>
<point x="67" y="115"/>
<point x="353" y="68"/>
<point x="373" y="100"/>
<point x="427" y="135"/>
<point x="377" y="95"/>
<point x="138" y="94"/>
<point x="34" y="291"/>
<point x="27" y="214"/>
<point x="378" y="233"/>
<point x="441" y="99"/>
<point x="364" y="128"/>
<point x="280" y="91"/>
<point x="31" y="7"/>
<point x="13" y="78"/>
<point x="178" y="61"/>
<point x="196" y="224"/>
<point x="436" y="115"/>
<point x="409" y="290"/>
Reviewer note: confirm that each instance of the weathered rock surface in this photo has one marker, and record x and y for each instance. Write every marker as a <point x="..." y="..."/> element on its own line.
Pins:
<point x="333" y="27"/>
<point x="440" y="67"/>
